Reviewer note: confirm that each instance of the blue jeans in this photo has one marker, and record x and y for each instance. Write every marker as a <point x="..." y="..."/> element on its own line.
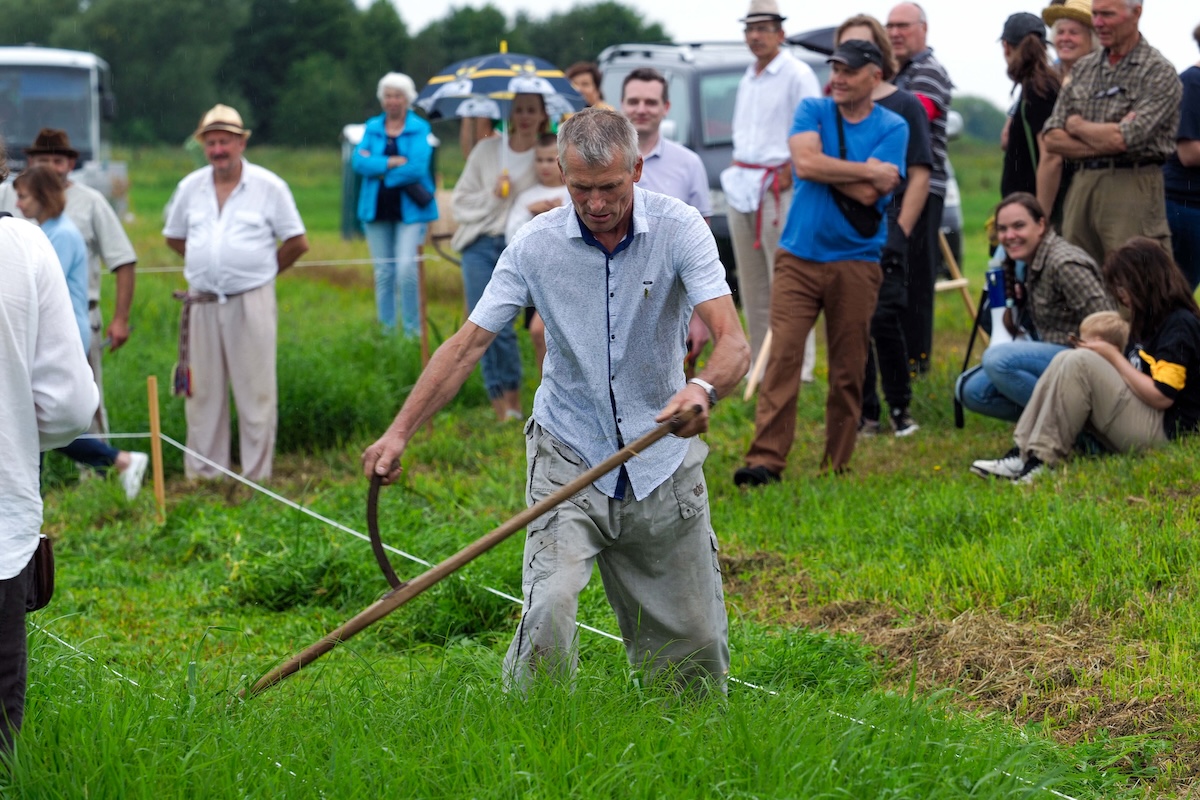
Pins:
<point x="1010" y="371"/>
<point x="1185" y="240"/>
<point x="394" y="248"/>
<point x="501" y="362"/>
<point x="92" y="452"/>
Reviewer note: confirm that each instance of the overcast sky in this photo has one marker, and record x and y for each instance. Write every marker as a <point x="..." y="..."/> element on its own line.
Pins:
<point x="963" y="33"/>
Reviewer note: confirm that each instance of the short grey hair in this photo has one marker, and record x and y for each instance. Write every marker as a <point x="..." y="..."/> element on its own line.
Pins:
<point x="597" y="135"/>
<point x="398" y="81"/>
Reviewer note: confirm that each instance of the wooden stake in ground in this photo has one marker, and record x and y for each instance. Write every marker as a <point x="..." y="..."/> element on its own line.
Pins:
<point x="422" y="318"/>
<point x="410" y="589"/>
<point x="156" y="462"/>
<point x="760" y="366"/>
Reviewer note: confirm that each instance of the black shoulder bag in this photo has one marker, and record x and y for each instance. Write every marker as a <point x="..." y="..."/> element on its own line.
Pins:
<point x="863" y="218"/>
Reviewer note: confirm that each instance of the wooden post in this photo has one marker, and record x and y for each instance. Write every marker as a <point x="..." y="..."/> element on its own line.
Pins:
<point x="956" y="274"/>
<point x="422" y="319"/>
<point x="156" y="462"/>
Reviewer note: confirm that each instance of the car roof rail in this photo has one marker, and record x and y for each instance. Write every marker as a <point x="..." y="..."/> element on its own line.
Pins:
<point x="682" y="51"/>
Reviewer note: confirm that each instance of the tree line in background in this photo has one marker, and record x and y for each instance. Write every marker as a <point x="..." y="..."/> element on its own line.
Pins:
<point x="297" y="70"/>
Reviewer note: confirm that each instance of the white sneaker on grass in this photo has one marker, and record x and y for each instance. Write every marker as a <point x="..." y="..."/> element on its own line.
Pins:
<point x="1008" y="467"/>
<point x="133" y="475"/>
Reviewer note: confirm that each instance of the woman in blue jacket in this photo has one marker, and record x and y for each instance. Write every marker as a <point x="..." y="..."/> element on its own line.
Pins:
<point x="397" y="197"/>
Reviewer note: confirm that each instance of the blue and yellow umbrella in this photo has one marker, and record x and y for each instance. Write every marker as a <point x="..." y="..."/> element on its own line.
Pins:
<point x="484" y="86"/>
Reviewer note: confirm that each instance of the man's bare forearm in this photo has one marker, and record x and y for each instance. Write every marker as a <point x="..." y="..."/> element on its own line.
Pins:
<point x="915" y="195"/>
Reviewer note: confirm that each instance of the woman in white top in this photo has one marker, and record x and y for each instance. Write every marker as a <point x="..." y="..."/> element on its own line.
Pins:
<point x="495" y="174"/>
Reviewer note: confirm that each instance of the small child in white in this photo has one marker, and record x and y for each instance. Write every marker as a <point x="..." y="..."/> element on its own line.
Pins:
<point x="549" y="193"/>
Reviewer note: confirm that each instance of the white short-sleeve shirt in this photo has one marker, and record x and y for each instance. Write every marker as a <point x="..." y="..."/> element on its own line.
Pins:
<point x="232" y="250"/>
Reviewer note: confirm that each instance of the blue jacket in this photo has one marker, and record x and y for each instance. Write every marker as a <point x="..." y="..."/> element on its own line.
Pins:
<point x="369" y="161"/>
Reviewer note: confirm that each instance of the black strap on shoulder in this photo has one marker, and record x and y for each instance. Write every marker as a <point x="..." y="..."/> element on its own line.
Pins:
<point x="841" y="134"/>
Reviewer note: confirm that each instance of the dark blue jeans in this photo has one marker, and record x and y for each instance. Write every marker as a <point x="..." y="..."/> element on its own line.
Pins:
<point x="1185" y="240"/>
<point x="92" y="452"/>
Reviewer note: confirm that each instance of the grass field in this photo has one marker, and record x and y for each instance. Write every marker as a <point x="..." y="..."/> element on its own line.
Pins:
<point x="916" y="632"/>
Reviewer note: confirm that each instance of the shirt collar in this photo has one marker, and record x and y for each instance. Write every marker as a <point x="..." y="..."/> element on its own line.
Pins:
<point x="637" y="225"/>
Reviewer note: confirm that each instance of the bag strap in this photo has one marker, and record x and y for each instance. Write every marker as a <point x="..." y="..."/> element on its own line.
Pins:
<point x="841" y="133"/>
<point x="1033" y="153"/>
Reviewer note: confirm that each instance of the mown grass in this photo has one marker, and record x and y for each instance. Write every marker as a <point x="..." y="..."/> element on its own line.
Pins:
<point x="198" y="607"/>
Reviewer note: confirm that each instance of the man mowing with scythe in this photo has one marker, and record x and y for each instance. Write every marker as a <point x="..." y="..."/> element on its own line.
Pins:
<point x="615" y="277"/>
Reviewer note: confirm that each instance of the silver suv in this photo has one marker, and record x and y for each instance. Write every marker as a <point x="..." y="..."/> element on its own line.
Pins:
<point x="702" y="80"/>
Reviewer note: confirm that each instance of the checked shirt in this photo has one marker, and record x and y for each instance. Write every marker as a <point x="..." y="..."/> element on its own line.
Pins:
<point x="1143" y="82"/>
<point x="1063" y="286"/>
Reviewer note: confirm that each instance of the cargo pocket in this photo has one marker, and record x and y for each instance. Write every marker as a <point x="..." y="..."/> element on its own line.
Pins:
<point x="691" y="491"/>
<point x="541" y="549"/>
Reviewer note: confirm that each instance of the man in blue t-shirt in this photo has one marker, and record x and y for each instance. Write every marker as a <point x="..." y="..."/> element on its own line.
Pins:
<point x="848" y="156"/>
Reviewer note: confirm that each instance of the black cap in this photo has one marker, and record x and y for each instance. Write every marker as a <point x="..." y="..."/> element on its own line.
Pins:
<point x="1020" y="25"/>
<point x="856" y="54"/>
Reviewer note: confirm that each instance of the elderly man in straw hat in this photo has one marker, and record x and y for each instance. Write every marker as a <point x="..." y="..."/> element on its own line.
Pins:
<point x="758" y="185"/>
<point x="1117" y="121"/>
<point x="237" y="227"/>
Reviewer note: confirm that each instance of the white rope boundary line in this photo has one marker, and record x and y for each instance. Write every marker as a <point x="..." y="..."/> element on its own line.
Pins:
<point x="132" y="682"/>
<point x="340" y="262"/>
<point x="294" y="505"/>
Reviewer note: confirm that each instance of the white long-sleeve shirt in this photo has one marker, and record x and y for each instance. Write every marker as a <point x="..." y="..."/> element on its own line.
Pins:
<point x="47" y="395"/>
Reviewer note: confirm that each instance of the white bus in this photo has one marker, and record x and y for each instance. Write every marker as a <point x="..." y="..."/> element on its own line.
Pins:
<point x="43" y="87"/>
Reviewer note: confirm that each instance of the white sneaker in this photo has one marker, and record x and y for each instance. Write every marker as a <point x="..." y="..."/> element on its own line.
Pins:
<point x="1033" y="467"/>
<point x="133" y="475"/>
<point x="1008" y="467"/>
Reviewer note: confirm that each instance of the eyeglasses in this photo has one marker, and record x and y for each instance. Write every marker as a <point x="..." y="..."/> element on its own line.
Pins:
<point x="899" y="26"/>
<point x="763" y="27"/>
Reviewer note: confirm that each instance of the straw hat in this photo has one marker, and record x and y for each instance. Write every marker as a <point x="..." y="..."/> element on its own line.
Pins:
<point x="763" y="11"/>
<point x="221" y="118"/>
<point x="1078" y="10"/>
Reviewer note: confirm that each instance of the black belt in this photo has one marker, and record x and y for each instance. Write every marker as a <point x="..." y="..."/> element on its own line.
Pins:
<point x="93" y="305"/>
<point x="1119" y="163"/>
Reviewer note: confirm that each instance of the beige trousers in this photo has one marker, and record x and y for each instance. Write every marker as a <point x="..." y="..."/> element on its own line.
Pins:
<point x="1080" y="388"/>
<point x="756" y="272"/>
<point x="232" y="346"/>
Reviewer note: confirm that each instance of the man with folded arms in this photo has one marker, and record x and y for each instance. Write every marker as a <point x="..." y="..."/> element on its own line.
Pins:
<point x="848" y="154"/>
<point x="1116" y="120"/>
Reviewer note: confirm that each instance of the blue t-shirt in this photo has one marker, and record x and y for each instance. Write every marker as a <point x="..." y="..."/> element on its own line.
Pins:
<point x="72" y="253"/>
<point x="816" y="230"/>
<point x="1183" y="183"/>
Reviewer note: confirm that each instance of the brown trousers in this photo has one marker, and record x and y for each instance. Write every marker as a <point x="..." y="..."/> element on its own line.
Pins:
<point x="846" y="291"/>
<point x="233" y="346"/>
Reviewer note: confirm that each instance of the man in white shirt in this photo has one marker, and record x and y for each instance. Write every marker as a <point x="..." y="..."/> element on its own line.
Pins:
<point x="758" y="186"/>
<point x="237" y="227"/>
<point x="47" y="398"/>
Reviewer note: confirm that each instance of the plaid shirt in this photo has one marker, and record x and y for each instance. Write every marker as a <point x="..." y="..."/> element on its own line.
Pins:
<point x="1143" y="81"/>
<point x="1062" y="286"/>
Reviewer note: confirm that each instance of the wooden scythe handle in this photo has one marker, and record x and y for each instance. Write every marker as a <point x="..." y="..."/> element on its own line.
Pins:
<point x="410" y="589"/>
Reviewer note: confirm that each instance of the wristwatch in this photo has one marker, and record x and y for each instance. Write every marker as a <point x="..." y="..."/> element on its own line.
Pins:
<point x="708" y="388"/>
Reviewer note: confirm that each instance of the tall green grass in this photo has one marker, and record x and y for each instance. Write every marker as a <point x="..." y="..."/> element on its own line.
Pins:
<point x="200" y="606"/>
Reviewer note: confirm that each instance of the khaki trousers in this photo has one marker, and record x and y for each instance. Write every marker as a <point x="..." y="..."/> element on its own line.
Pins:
<point x="232" y="346"/>
<point x="1080" y="388"/>
<point x="846" y="292"/>
<point x="658" y="560"/>
<point x="756" y="269"/>
<point x="1105" y="208"/>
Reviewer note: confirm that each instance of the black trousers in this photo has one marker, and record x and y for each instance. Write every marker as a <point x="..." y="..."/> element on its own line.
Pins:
<point x="923" y="254"/>
<point x="14" y="593"/>
<point x="888" y="354"/>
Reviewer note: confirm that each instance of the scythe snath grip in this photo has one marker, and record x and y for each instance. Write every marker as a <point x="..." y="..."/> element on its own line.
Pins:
<point x="408" y="590"/>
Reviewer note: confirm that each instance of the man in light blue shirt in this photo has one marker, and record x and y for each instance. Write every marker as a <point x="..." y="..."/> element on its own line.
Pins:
<point x="615" y="276"/>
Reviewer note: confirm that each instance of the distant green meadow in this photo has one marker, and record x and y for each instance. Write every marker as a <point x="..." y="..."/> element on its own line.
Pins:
<point x="906" y="631"/>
